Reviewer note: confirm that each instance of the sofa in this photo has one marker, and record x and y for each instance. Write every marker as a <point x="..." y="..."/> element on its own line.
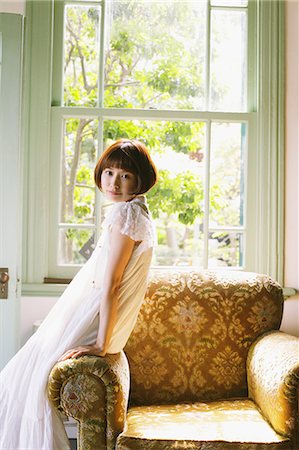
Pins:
<point x="205" y="367"/>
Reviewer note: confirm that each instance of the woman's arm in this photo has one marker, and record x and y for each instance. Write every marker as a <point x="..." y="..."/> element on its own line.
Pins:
<point x="121" y="249"/>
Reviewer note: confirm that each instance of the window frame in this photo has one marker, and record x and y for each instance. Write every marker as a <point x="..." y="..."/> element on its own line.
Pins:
<point x="265" y="204"/>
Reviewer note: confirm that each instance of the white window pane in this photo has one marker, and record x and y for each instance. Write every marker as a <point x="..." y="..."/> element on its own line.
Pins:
<point x="227" y="174"/>
<point x="155" y="54"/>
<point x="77" y="194"/>
<point x="75" y="245"/>
<point x="226" y="249"/>
<point x="81" y="55"/>
<point x="228" y="82"/>
<point x="176" y="202"/>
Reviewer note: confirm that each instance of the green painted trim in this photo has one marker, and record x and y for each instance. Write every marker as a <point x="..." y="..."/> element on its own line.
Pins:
<point x="57" y="80"/>
<point x="37" y="99"/>
<point x="42" y="290"/>
<point x="55" y="177"/>
<point x="25" y="139"/>
<point x="270" y="132"/>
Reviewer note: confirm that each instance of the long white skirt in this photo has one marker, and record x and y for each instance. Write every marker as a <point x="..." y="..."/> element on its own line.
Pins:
<point x="27" y="420"/>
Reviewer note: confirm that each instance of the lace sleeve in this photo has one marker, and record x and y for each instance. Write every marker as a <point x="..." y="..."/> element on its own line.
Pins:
<point x="133" y="220"/>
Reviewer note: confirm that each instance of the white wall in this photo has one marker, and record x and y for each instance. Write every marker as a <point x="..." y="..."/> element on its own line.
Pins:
<point x="290" y="322"/>
<point x="31" y="310"/>
<point x="11" y="6"/>
<point x="292" y="147"/>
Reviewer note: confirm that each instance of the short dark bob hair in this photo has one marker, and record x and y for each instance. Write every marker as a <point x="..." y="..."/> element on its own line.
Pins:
<point x="130" y="155"/>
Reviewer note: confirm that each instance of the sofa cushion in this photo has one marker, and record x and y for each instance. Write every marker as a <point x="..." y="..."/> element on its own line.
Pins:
<point x="200" y="426"/>
<point x="193" y="333"/>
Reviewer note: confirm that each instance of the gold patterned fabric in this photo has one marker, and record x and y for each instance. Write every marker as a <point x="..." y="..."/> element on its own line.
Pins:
<point x="187" y="357"/>
<point x="94" y="391"/>
<point x="273" y="380"/>
<point x="193" y="334"/>
<point x="215" y="425"/>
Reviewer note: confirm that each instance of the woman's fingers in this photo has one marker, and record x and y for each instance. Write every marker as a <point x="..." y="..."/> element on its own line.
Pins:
<point x="75" y="353"/>
<point x="81" y="351"/>
<point x="67" y="355"/>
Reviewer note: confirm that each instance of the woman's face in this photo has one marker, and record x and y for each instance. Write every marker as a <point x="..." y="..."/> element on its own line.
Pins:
<point x="118" y="185"/>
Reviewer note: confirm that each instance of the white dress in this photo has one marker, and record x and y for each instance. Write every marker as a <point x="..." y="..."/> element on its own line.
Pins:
<point x="27" y="420"/>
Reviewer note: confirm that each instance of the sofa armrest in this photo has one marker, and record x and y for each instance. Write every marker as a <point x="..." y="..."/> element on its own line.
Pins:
<point x="273" y="380"/>
<point x="94" y="391"/>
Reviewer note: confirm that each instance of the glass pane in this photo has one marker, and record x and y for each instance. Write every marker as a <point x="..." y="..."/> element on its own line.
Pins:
<point x="154" y="55"/>
<point x="176" y="202"/>
<point x="77" y="193"/>
<point x="226" y="249"/>
<point x="230" y="3"/>
<point x="75" y="245"/>
<point x="227" y="174"/>
<point x="228" y="81"/>
<point x="81" y="55"/>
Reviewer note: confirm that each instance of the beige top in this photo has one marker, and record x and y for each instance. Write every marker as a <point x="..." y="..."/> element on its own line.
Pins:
<point x="133" y="219"/>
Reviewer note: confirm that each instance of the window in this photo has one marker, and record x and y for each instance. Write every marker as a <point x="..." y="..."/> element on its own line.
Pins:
<point x="182" y="77"/>
<point x="145" y="59"/>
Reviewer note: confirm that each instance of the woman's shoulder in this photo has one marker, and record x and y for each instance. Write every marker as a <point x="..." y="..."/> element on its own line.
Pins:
<point x="131" y="218"/>
<point x="129" y="210"/>
<point x="137" y="202"/>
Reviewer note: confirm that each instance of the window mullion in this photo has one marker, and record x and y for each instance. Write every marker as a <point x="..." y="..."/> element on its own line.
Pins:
<point x="207" y="196"/>
<point x="208" y="57"/>
<point x="251" y="57"/>
<point x="102" y="55"/>
<point x="98" y="199"/>
<point x="98" y="195"/>
<point x="153" y="114"/>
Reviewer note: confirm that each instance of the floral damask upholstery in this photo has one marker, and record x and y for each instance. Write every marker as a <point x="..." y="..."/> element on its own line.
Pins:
<point x="95" y="392"/>
<point x="208" y="370"/>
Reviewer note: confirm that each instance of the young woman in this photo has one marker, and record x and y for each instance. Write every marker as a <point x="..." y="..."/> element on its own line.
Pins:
<point x="98" y="310"/>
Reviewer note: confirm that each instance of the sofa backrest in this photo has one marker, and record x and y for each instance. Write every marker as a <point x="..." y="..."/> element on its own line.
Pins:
<point x="193" y="333"/>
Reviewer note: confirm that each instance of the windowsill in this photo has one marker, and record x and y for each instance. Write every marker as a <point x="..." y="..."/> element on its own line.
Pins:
<point x="42" y="289"/>
<point x="56" y="289"/>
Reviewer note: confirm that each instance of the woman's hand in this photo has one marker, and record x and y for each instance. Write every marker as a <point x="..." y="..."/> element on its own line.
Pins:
<point x="81" y="351"/>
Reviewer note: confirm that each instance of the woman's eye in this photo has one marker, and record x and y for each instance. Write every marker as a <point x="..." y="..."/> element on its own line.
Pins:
<point x="108" y="172"/>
